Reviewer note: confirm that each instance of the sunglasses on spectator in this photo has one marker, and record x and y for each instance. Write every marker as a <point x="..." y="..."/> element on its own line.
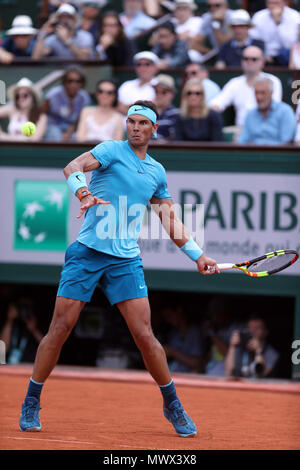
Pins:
<point x="197" y="93"/>
<point x="106" y="92"/>
<point x="215" y="5"/>
<point x="22" y="95"/>
<point x="191" y="72"/>
<point x="162" y="92"/>
<point x="112" y="25"/>
<point x="143" y="64"/>
<point x="254" y="59"/>
<point x="74" y="80"/>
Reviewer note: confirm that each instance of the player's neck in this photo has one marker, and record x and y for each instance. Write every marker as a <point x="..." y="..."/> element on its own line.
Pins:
<point x="139" y="150"/>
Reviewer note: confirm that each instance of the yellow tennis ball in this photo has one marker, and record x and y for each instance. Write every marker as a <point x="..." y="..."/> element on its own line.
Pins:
<point x="28" y="129"/>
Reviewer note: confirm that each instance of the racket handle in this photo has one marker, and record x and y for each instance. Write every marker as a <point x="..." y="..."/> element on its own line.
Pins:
<point x="221" y="266"/>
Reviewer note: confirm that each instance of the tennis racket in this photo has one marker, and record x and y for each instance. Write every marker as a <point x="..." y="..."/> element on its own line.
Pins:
<point x="265" y="265"/>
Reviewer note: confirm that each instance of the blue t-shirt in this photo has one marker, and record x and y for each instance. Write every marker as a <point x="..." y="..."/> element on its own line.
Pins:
<point x="128" y="183"/>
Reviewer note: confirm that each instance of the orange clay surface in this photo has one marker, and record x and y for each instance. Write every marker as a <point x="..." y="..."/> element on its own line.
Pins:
<point x="115" y="414"/>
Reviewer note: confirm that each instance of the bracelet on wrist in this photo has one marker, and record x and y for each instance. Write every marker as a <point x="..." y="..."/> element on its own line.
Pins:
<point x="192" y="250"/>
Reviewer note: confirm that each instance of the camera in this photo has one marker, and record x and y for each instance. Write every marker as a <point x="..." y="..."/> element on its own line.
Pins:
<point x="255" y="369"/>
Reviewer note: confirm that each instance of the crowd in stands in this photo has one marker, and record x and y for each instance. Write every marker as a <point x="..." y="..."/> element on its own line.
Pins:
<point x="176" y="36"/>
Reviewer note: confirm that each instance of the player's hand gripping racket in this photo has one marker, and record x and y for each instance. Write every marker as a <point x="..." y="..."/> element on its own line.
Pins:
<point x="265" y="265"/>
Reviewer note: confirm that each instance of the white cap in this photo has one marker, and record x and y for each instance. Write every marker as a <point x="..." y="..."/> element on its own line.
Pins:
<point x="146" y="55"/>
<point x="66" y="9"/>
<point x="187" y="3"/>
<point x="22" y="24"/>
<point x="23" y="83"/>
<point x="240" y="17"/>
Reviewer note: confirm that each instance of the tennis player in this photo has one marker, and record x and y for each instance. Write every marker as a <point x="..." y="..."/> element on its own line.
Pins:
<point x="122" y="171"/>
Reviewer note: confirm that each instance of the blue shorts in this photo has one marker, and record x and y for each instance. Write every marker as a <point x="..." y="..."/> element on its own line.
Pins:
<point x="119" y="278"/>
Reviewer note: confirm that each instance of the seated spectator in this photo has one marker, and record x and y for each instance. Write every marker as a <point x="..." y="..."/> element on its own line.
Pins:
<point x="294" y="61"/>
<point x="231" y="52"/>
<point x="297" y="134"/>
<point x="113" y="45"/>
<point x="218" y="330"/>
<point x="59" y="37"/>
<point x="64" y="103"/>
<point x="277" y="26"/>
<point x="133" y="18"/>
<point x="185" y="346"/>
<point x="249" y="354"/>
<point x="194" y="70"/>
<point x="90" y="17"/>
<point x="271" y="122"/>
<point x="19" y="40"/>
<point x="101" y="122"/>
<point x="215" y="27"/>
<point x="239" y="91"/>
<point x="186" y="24"/>
<point x="139" y="88"/>
<point x="24" y="106"/>
<point x="196" y="122"/>
<point x="164" y="86"/>
<point x="172" y="52"/>
<point x="20" y="332"/>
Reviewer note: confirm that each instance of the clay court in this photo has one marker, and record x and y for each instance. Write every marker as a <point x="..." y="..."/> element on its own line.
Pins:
<point x="92" y="409"/>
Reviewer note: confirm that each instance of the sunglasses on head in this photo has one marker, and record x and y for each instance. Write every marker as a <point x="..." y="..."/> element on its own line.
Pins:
<point x="106" y="92"/>
<point x="197" y="93"/>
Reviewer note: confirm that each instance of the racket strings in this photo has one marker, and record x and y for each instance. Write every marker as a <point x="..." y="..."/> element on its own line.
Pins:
<point x="273" y="263"/>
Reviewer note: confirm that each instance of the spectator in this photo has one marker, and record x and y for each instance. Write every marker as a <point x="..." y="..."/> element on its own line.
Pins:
<point x="101" y="122"/>
<point x="90" y="17"/>
<point x="19" y="40"/>
<point x="20" y="332"/>
<point x="164" y="86"/>
<point x="231" y="52"/>
<point x="249" y="354"/>
<point x="140" y="87"/>
<point x="113" y="45"/>
<point x="186" y="24"/>
<point x="185" y="346"/>
<point x="59" y="37"/>
<point x="271" y="123"/>
<point x="194" y="70"/>
<point x="218" y="330"/>
<point x="239" y="91"/>
<point x="24" y="105"/>
<point x="64" y="103"/>
<point x="133" y="19"/>
<point x="297" y="135"/>
<point x="196" y="121"/>
<point x="215" y="26"/>
<point x="172" y="52"/>
<point x="277" y="26"/>
<point x="294" y="61"/>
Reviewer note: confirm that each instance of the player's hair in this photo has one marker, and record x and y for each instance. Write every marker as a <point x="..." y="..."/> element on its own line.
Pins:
<point x="147" y="104"/>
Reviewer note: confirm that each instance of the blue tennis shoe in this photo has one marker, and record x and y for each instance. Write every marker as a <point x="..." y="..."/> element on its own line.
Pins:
<point x="182" y="423"/>
<point x="30" y="415"/>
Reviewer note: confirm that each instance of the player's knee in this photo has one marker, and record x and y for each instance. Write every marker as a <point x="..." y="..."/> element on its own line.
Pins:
<point x="61" y="329"/>
<point x="145" y="341"/>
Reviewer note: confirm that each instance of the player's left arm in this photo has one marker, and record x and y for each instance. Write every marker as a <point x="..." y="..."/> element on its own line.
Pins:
<point x="74" y="173"/>
<point x="179" y="234"/>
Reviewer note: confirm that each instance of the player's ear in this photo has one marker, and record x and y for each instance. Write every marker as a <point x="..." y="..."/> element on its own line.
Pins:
<point x="155" y="127"/>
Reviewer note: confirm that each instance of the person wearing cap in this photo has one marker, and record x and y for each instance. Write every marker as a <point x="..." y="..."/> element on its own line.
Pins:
<point x="19" y="40"/>
<point x="145" y="64"/>
<point x="172" y="52"/>
<point x="59" y="37"/>
<point x="133" y="18"/>
<point x="186" y="23"/>
<point x="164" y="86"/>
<point x="230" y="53"/>
<point x="90" y="17"/>
<point x="125" y="179"/>
<point x="277" y="26"/>
<point x="23" y="106"/>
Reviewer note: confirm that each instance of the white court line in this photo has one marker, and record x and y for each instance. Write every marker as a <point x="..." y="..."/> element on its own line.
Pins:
<point x="77" y="442"/>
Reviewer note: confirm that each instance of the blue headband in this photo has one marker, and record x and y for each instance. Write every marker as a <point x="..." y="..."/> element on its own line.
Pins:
<point x="143" y="111"/>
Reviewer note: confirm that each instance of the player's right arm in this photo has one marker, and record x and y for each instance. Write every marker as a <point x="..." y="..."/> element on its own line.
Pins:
<point x="74" y="173"/>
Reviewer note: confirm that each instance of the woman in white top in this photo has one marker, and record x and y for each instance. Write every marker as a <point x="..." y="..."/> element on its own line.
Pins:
<point x="101" y="122"/>
<point x="23" y="107"/>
